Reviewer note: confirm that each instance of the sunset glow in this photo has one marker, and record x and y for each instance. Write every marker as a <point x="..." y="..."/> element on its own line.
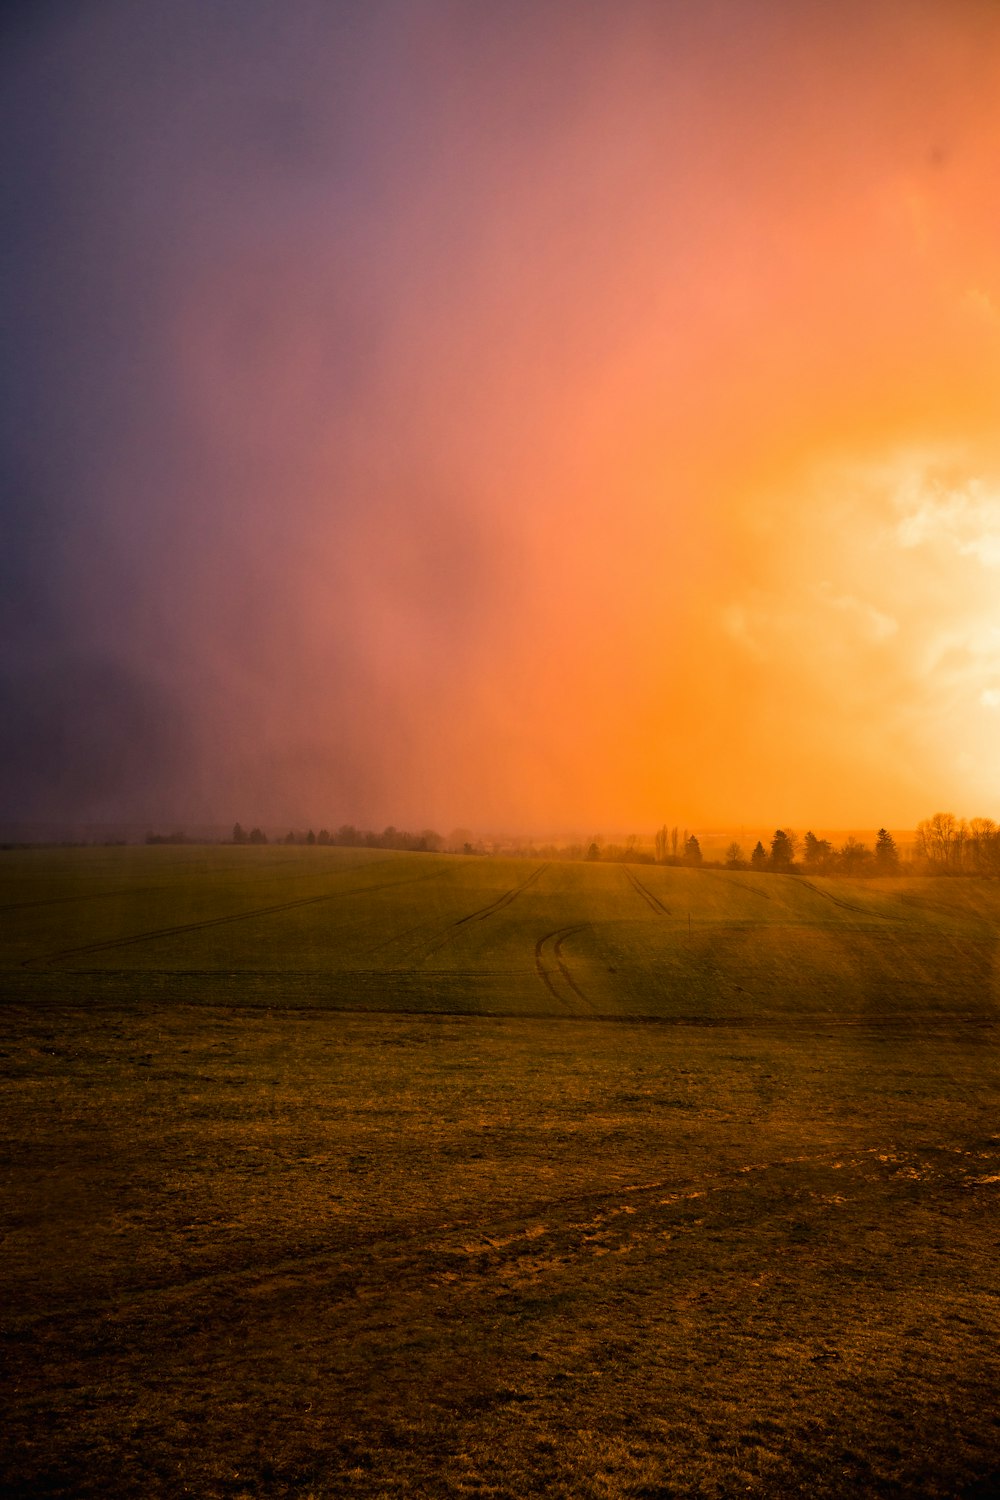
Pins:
<point x="534" y="417"/>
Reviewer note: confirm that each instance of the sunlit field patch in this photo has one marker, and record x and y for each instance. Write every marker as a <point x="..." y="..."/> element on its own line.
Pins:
<point x="343" y="1173"/>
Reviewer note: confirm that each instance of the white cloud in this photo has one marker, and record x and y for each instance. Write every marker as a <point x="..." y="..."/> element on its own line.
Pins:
<point x="871" y="622"/>
<point x="964" y="516"/>
<point x="973" y="646"/>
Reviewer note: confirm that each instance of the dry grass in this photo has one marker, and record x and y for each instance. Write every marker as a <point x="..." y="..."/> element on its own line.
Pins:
<point x="314" y="1252"/>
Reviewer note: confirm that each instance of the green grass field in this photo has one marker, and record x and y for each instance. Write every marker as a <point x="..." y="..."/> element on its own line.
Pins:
<point x="348" y="1173"/>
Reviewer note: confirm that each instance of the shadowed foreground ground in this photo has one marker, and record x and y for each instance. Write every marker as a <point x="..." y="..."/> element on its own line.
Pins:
<point x="255" y="1250"/>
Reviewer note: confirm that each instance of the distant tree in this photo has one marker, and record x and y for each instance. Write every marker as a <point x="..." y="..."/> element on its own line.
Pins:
<point x="854" y="857"/>
<point x="662" y="843"/>
<point x="593" y="851"/>
<point x="257" y="836"/>
<point x="940" y="842"/>
<point x="692" y="851"/>
<point x="239" y="834"/>
<point x="323" y="837"/>
<point x="886" y="853"/>
<point x="982" y="847"/>
<point x="758" y="859"/>
<point x="734" y="856"/>
<point x="289" y="837"/>
<point x="817" y="854"/>
<point x="782" y="851"/>
<point x="310" y="837"/>
<point x="673" y="841"/>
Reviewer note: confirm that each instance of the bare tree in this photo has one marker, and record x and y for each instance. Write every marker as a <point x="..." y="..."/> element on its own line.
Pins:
<point x="940" y="841"/>
<point x="982" y="847"/>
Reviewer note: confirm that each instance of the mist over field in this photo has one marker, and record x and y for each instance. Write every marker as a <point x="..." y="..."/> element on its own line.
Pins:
<point x="525" y="417"/>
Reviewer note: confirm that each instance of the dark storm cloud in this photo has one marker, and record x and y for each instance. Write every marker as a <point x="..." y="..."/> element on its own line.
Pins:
<point x="86" y="735"/>
<point x="380" y="383"/>
<point x="148" y="155"/>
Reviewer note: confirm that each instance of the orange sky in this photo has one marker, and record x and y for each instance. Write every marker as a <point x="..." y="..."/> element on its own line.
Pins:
<point x="549" y="419"/>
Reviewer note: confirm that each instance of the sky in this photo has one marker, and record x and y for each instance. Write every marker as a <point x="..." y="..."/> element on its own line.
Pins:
<point x="526" y="416"/>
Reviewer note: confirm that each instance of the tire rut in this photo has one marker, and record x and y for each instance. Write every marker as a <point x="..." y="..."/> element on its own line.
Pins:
<point x="356" y="1266"/>
<point x="864" y="911"/>
<point x="653" y="902"/>
<point x="49" y="959"/>
<point x="744" y="885"/>
<point x="502" y="901"/>
<point x="129" y="892"/>
<point x="480" y="915"/>
<point x="557" y="938"/>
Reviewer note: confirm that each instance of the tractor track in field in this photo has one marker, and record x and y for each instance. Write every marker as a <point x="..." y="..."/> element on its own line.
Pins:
<point x="538" y="1236"/>
<point x="127" y="891"/>
<point x="502" y="901"/>
<point x="480" y="915"/>
<point x="743" y="884"/>
<point x="547" y="976"/>
<point x="864" y="911"/>
<point x="105" y="945"/>
<point x="653" y="902"/>
<point x="361" y="1256"/>
<point x="130" y="892"/>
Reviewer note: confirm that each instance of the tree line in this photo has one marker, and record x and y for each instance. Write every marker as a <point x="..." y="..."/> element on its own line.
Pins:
<point x="946" y="845"/>
<point x="943" y="845"/>
<point x="349" y="837"/>
<point x="786" y="854"/>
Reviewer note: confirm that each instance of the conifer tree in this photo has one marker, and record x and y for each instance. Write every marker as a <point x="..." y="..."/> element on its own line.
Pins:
<point x="886" y="853"/>
<point x="782" y="851"/>
<point x="692" y="851"/>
